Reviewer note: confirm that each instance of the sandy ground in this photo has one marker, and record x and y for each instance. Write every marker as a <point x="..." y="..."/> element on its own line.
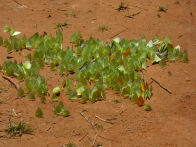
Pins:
<point x="172" y="121"/>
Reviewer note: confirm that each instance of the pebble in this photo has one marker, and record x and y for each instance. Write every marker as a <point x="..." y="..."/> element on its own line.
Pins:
<point x="187" y="79"/>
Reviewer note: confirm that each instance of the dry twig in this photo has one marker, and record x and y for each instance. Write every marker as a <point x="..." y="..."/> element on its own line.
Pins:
<point x="132" y="16"/>
<point x="103" y="119"/>
<point x="122" y="111"/>
<point x="14" y="112"/>
<point x="92" y="124"/>
<point x="93" y="144"/>
<point x="161" y="86"/>
<point x="18" y="2"/>
<point x="48" y="128"/>
<point x="118" y="33"/>
<point x="83" y="137"/>
<point x="61" y="10"/>
<point x="11" y="81"/>
<point x="108" y="138"/>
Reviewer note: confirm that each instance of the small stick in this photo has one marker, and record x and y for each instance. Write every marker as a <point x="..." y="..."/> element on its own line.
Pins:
<point x="108" y="138"/>
<point x="92" y="124"/>
<point x="118" y="33"/>
<point x="103" y="119"/>
<point x="48" y="128"/>
<point x="17" y="2"/>
<point x="83" y="137"/>
<point x="123" y="110"/>
<point x="61" y="10"/>
<point x="19" y="112"/>
<point x="161" y="86"/>
<point x="94" y="140"/>
<point x="14" y="112"/>
<point x="11" y="81"/>
<point x="132" y="16"/>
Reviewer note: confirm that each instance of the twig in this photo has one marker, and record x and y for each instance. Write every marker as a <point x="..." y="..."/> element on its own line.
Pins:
<point x="113" y="118"/>
<point x="83" y="137"/>
<point x="108" y="138"/>
<point x="132" y="16"/>
<point x="14" y="112"/>
<point x="123" y="110"/>
<point x="61" y="10"/>
<point x="18" y="2"/>
<point x="23" y="6"/>
<point x="19" y="112"/>
<point x="94" y="140"/>
<point x="161" y="86"/>
<point x="92" y="124"/>
<point x="103" y="119"/>
<point x="9" y="57"/>
<point x="48" y="128"/>
<point x="118" y="33"/>
<point x="11" y="81"/>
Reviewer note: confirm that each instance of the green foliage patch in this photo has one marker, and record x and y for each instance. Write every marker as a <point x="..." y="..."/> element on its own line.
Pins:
<point x="29" y="72"/>
<point x="39" y="112"/>
<point x="61" y="110"/>
<point x="96" y="65"/>
<point x="18" y="129"/>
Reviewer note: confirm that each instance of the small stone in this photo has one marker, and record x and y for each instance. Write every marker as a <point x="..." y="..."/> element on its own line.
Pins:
<point x="169" y="73"/>
<point x="187" y="96"/>
<point x="99" y="145"/>
<point x="187" y="79"/>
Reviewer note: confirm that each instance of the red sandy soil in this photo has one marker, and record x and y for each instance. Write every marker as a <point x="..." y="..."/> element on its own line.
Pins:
<point x="172" y="121"/>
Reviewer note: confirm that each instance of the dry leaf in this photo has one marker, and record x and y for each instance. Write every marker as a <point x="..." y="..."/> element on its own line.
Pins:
<point x="146" y="87"/>
<point x="140" y="101"/>
<point x="127" y="52"/>
<point x="112" y="56"/>
<point x="121" y="62"/>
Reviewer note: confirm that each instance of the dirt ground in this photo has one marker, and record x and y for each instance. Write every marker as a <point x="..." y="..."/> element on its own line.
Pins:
<point x="172" y="121"/>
